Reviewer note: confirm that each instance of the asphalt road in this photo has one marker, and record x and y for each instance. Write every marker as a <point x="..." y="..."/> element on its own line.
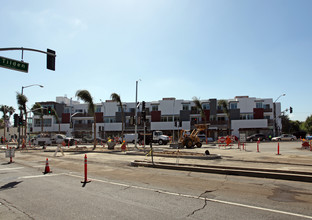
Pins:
<point x="119" y="191"/>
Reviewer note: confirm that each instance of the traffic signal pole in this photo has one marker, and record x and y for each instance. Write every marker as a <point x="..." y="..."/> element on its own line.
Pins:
<point x="50" y="55"/>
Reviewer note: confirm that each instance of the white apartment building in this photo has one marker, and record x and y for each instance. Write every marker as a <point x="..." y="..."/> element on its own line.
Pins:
<point x="246" y="115"/>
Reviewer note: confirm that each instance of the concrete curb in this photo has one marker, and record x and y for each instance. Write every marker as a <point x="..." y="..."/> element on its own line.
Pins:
<point x="237" y="171"/>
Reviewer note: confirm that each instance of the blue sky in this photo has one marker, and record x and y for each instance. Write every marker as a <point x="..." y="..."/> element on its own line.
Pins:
<point x="178" y="48"/>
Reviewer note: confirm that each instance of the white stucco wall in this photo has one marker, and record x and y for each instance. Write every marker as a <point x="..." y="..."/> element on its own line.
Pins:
<point x="169" y="126"/>
<point x="256" y="123"/>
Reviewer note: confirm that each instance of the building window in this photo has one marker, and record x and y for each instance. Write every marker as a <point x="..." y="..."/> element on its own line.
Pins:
<point x="259" y="105"/>
<point x="109" y="120"/>
<point x="176" y="118"/>
<point x="206" y="106"/>
<point x="167" y="118"/>
<point x="267" y="106"/>
<point x="186" y="107"/>
<point x="98" y="109"/>
<point x="47" y="122"/>
<point x="233" y="105"/>
<point x="154" y="107"/>
<point x="221" y="118"/>
<point x="67" y="110"/>
<point x="247" y="116"/>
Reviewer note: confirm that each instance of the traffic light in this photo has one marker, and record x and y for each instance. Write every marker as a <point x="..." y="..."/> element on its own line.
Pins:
<point x="51" y="59"/>
<point x="16" y="119"/>
<point x="20" y="120"/>
<point x="49" y="111"/>
<point x="144" y="116"/>
<point x="143" y="106"/>
<point x="290" y="110"/>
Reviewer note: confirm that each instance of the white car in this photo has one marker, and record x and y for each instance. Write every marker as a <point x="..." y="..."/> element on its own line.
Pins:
<point x="285" y="137"/>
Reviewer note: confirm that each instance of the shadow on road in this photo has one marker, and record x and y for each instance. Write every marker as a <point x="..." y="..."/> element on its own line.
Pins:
<point x="10" y="185"/>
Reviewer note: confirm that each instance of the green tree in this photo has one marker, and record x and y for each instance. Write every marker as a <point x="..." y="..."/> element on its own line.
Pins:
<point x="224" y="105"/>
<point x="5" y="110"/>
<point x="21" y="101"/>
<point x="57" y="119"/>
<point x="199" y="106"/>
<point x="85" y="96"/>
<point x="116" y="98"/>
<point x="308" y="124"/>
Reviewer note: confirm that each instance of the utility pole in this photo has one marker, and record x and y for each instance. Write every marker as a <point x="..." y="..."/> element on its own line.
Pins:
<point x="136" y="116"/>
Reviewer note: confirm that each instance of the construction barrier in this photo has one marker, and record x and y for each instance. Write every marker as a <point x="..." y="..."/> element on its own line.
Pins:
<point x="124" y="146"/>
<point x="278" y="149"/>
<point x="85" y="172"/>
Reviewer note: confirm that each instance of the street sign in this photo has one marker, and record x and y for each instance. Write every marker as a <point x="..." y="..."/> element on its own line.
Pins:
<point x="13" y="64"/>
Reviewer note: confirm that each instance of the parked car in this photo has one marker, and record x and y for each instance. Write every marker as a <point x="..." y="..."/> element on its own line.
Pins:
<point x="256" y="137"/>
<point x="285" y="137"/>
<point x="130" y="138"/>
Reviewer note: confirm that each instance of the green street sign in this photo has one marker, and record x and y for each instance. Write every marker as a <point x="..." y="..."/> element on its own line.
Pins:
<point x="13" y="64"/>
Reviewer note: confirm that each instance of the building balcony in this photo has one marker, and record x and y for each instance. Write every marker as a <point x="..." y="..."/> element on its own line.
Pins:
<point x="267" y="110"/>
<point x="195" y="111"/>
<point x="270" y="122"/>
<point x="82" y="127"/>
<point x="214" y="122"/>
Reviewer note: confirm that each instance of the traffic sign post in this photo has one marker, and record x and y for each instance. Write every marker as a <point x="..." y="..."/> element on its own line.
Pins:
<point x="13" y="64"/>
<point x="22" y="66"/>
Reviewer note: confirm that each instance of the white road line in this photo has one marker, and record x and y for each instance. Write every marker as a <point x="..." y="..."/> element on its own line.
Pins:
<point x="13" y="168"/>
<point x="38" y="176"/>
<point x="197" y="197"/>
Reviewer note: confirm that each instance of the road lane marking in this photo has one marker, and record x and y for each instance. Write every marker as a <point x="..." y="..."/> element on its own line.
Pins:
<point x="38" y="176"/>
<point x="197" y="197"/>
<point x="13" y="168"/>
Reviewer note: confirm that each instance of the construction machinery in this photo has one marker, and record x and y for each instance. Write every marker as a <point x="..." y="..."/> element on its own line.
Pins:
<point x="190" y="139"/>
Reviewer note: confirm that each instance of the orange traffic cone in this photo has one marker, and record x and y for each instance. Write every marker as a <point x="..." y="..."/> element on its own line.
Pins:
<point x="47" y="168"/>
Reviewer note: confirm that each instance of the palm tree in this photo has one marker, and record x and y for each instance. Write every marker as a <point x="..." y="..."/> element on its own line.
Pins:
<point x="116" y="98"/>
<point x="85" y="96"/>
<point x="6" y="109"/>
<point x="21" y="101"/>
<point x="37" y="110"/>
<point x="57" y="120"/>
<point x="224" y="104"/>
<point x="199" y="106"/>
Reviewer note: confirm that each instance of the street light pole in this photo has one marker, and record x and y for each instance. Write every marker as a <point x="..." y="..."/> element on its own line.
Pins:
<point x="103" y="118"/>
<point x="21" y="114"/>
<point x="136" y="116"/>
<point x="275" y="124"/>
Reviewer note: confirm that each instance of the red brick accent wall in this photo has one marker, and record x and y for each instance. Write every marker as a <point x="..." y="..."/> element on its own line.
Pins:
<point x="207" y="113"/>
<point x="65" y="117"/>
<point x="99" y="117"/>
<point x="258" y="113"/>
<point x="155" y="116"/>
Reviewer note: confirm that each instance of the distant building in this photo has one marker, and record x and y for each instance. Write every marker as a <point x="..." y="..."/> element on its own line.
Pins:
<point x="247" y="115"/>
